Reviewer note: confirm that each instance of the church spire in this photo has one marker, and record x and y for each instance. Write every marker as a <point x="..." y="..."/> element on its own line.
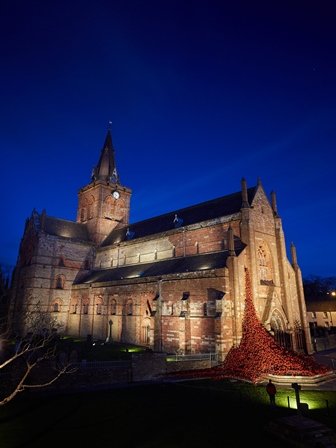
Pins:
<point x="106" y="169"/>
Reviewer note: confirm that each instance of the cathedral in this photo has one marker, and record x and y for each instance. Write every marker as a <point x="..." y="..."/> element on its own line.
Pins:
<point x="173" y="283"/>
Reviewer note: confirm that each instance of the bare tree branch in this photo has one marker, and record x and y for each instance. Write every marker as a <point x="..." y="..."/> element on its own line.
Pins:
<point x="24" y="361"/>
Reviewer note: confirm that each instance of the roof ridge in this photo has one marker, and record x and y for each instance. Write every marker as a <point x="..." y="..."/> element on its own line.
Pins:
<point x="65" y="220"/>
<point x="200" y="204"/>
<point x="182" y="257"/>
<point x="162" y="267"/>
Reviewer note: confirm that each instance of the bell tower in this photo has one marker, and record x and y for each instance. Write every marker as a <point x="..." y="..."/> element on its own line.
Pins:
<point x="104" y="203"/>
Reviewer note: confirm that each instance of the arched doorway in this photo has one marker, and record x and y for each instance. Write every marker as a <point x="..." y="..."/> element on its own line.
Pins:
<point x="146" y="333"/>
<point x="278" y="329"/>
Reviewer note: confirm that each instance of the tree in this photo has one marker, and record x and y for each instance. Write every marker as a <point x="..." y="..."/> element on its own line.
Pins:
<point x="30" y="361"/>
<point x="316" y="287"/>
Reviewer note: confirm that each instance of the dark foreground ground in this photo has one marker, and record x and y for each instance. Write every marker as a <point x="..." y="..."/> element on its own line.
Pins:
<point x="187" y="414"/>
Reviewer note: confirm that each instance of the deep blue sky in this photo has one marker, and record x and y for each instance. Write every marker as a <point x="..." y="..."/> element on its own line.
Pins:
<point x="200" y="93"/>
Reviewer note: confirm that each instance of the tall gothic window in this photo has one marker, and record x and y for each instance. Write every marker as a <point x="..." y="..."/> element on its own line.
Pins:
<point x="59" y="282"/>
<point x="90" y="207"/>
<point x="83" y="210"/>
<point x="265" y="265"/>
<point x="145" y="336"/>
<point x="108" y="207"/>
<point x="262" y="263"/>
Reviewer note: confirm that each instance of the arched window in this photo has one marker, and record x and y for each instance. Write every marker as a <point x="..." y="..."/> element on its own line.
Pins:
<point x="82" y="214"/>
<point x="99" y="305"/>
<point x="129" y="307"/>
<point x="59" y="282"/>
<point x="74" y="306"/>
<point x="90" y="203"/>
<point x="113" y="307"/>
<point x="108" y="207"/>
<point x="56" y="305"/>
<point x="85" y="308"/>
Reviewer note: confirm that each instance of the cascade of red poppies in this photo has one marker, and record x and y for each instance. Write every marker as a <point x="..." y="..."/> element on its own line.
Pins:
<point x="258" y="354"/>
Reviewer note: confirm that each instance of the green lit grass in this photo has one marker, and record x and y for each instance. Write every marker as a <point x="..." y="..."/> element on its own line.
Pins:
<point x="322" y="404"/>
<point x="197" y="414"/>
<point x="99" y="351"/>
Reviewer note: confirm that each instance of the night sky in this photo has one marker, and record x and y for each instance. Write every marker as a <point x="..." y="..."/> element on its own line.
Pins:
<point x="200" y="94"/>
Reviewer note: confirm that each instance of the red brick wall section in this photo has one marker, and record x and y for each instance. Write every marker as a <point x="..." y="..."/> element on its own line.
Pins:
<point x="202" y="240"/>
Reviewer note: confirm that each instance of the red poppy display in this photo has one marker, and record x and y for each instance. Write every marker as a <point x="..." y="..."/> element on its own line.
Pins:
<point x="258" y="354"/>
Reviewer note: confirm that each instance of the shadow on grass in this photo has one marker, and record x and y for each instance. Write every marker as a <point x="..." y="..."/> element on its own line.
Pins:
<point x="193" y="414"/>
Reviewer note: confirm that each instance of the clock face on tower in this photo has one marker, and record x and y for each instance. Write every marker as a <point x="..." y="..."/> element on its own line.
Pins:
<point x="116" y="194"/>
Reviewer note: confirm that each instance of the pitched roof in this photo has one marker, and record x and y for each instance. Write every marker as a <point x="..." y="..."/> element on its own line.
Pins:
<point x="194" y="263"/>
<point x="65" y="229"/>
<point x="216" y="208"/>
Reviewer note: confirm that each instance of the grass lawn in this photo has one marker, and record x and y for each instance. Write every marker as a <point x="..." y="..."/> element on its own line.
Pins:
<point x="98" y="350"/>
<point x="173" y="415"/>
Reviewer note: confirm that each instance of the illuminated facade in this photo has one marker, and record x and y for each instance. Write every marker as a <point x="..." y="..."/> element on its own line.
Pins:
<point x="175" y="282"/>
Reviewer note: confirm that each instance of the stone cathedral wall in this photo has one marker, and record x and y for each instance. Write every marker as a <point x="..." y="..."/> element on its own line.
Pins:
<point x="190" y="312"/>
<point x="190" y="241"/>
<point x="200" y="322"/>
<point x="49" y="278"/>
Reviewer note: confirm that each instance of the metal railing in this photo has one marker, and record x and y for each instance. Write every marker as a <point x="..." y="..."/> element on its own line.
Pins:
<point x="177" y="357"/>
